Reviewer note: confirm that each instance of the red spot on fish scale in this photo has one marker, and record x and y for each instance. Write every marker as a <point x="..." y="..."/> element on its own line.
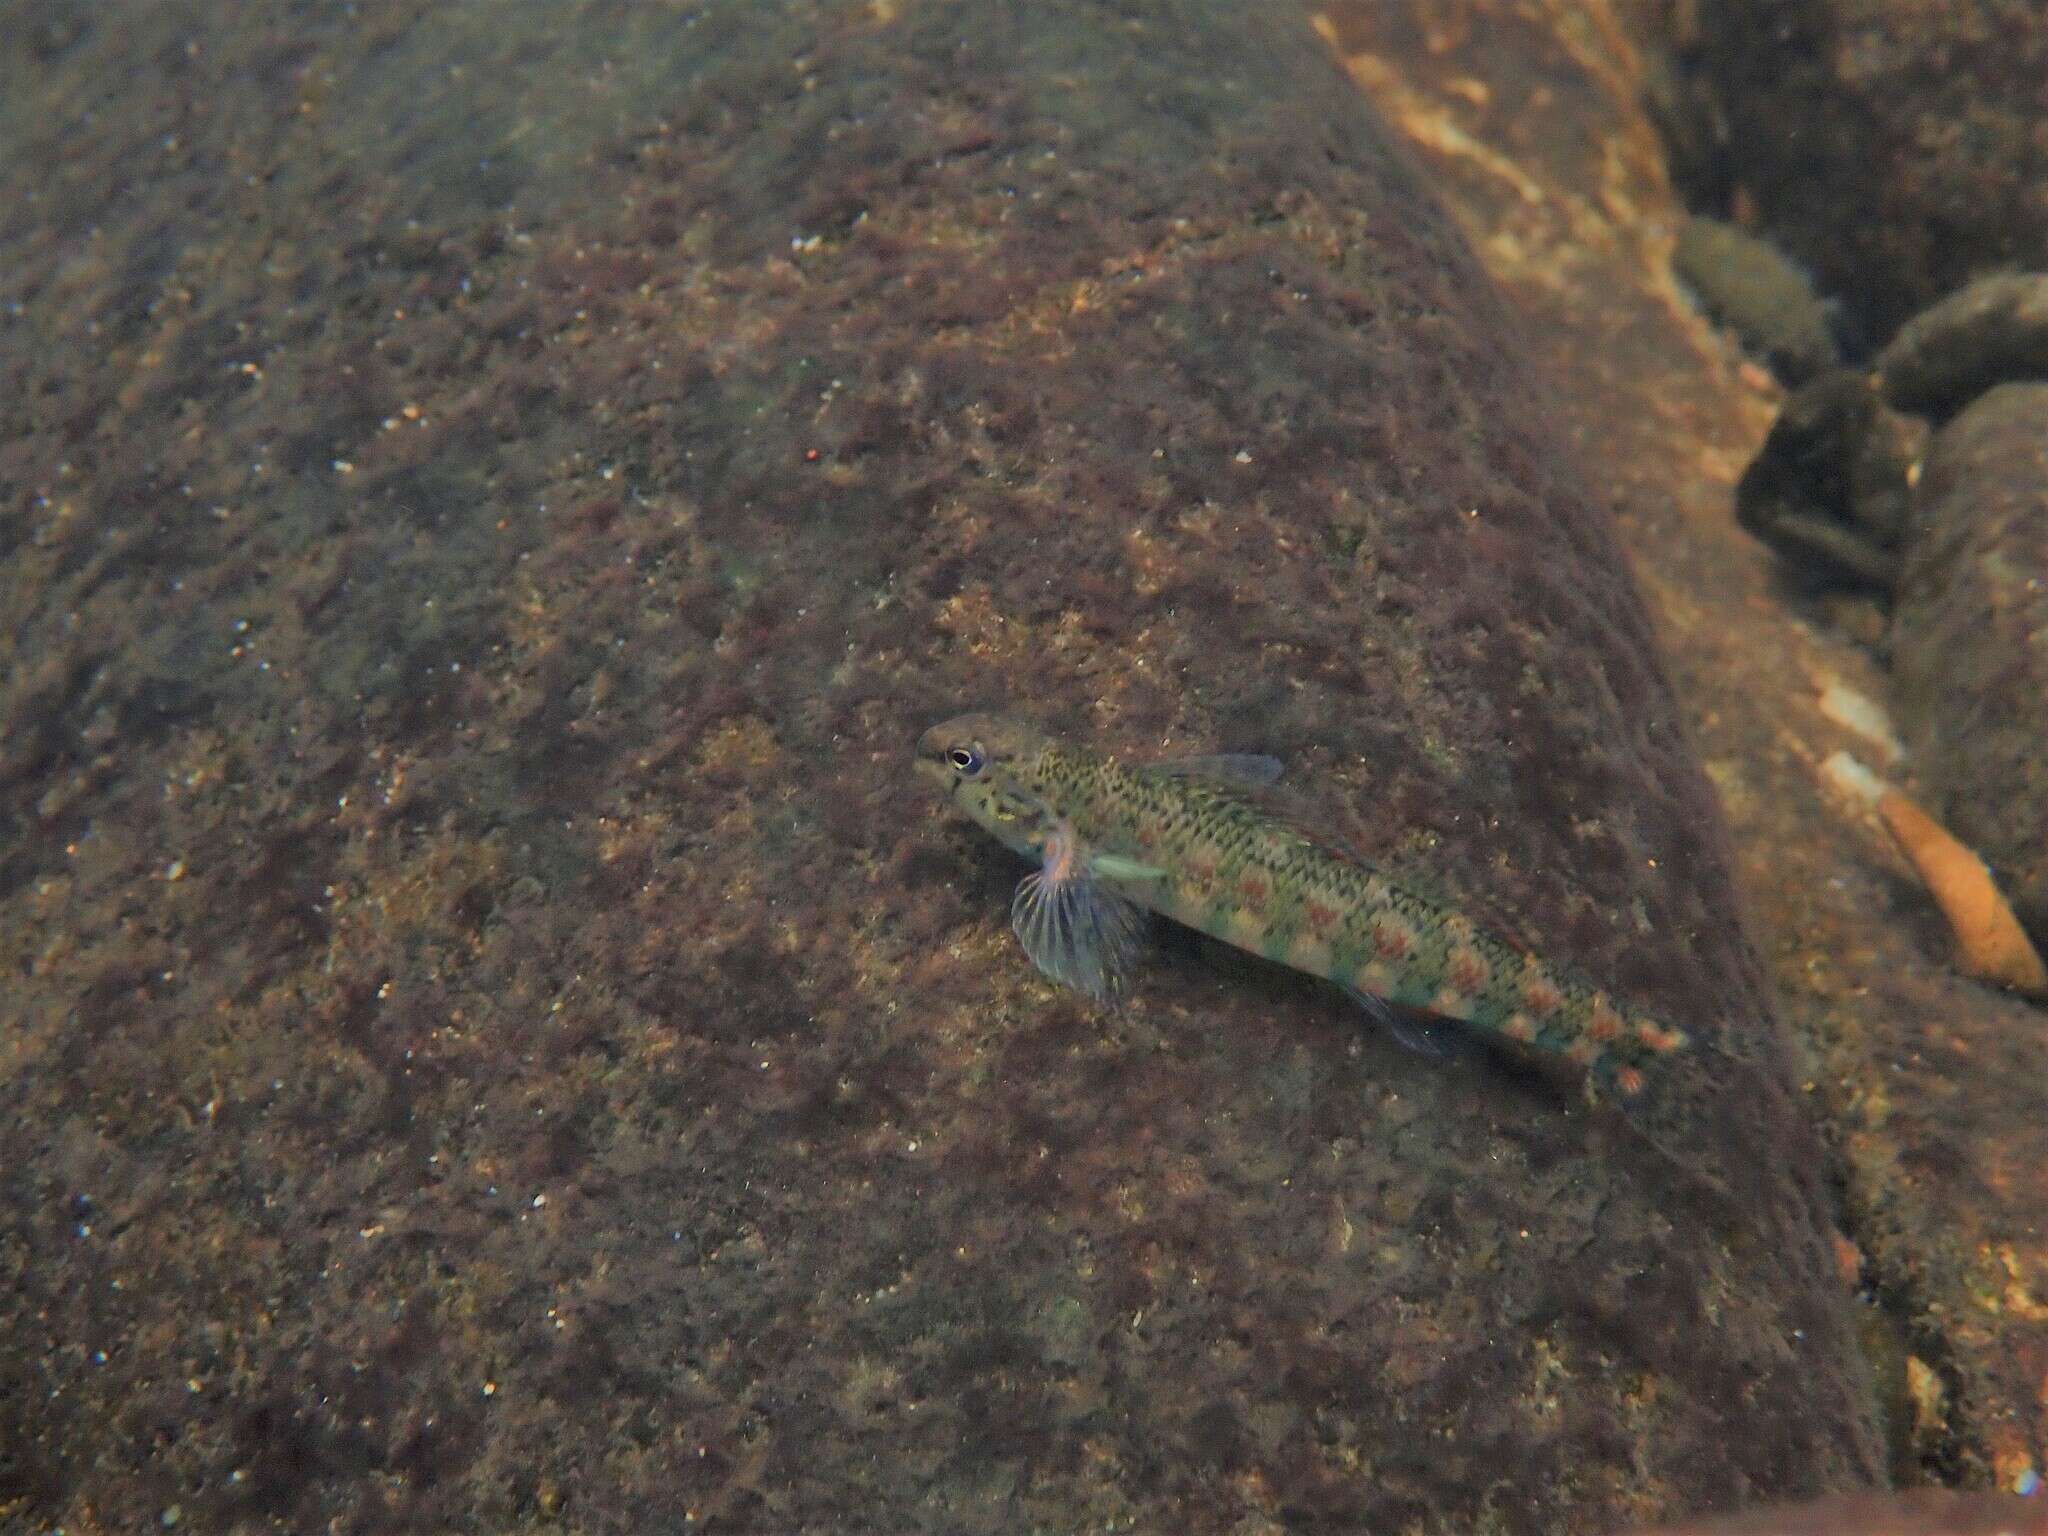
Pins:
<point x="1254" y="889"/>
<point x="1468" y="971"/>
<point x="1450" y="1002"/>
<point x="1605" y="1024"/>
<point x="1629" y="1080"/>
<point x="1584" y="1051"/>
<point x="1659" y="1039"/>
<point x="1320" y="917"/>
<point x="1391" y="938"/>
<point x="1540" y="994"/>
<point x="1520" y="1026"/>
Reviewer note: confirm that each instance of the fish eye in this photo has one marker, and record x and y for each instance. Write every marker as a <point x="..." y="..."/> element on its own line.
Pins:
<point x="966" y="761"/>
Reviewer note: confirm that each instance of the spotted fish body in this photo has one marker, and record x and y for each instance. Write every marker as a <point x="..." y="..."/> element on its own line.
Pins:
<point x="1191" y="841"/>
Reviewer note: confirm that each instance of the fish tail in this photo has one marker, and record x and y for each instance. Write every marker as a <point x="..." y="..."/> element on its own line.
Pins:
<point x="1515" y="995"/>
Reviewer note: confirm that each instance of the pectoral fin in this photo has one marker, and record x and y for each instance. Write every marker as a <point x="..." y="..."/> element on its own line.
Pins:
<point x="1076" y="929"/>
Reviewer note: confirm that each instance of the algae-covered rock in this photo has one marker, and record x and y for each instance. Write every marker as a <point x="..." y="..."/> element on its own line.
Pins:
<point x="1970" y="637"/>
<point x="1766" y="298"/>
<point x="498" y="1037"/>
<point x="1929" y="1082"/>
<point x="1989" y="332"/>
<point x="1891" y="146"/>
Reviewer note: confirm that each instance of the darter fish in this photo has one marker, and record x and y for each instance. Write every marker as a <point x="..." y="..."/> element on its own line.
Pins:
<point x="1190" y="839"/>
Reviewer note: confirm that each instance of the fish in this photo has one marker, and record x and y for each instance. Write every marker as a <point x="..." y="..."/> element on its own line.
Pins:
<point x="1198" y="841"/>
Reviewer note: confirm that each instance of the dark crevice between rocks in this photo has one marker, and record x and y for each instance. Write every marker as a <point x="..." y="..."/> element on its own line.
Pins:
<point x="1895" y="1321"/>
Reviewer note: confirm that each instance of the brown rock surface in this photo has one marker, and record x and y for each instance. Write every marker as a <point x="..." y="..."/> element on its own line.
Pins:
<point x="1906" y="1514"/>
<point x="1893" y="146"/>
<point x="493" y="1038"/>
<point x="1529" y="120"/>
<point x="1970" y="638"/>
<point x="1994" y="331"/>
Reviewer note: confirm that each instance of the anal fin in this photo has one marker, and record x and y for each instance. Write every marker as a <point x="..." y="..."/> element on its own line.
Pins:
<point x="1435" y="1038"/>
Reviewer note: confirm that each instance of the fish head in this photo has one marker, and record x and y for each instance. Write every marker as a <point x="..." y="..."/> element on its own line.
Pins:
<point x="989" y="765"/>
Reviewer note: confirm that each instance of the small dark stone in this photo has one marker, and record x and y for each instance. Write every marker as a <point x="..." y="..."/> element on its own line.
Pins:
<point x="1829" y="490"/>
<point x="1993" y="331"/>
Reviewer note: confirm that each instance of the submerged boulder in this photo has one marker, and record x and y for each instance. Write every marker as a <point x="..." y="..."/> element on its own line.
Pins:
<point x="1989" y="332"/>
<point x="1970" y="637"/>
<point x="499" y="1034"/>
